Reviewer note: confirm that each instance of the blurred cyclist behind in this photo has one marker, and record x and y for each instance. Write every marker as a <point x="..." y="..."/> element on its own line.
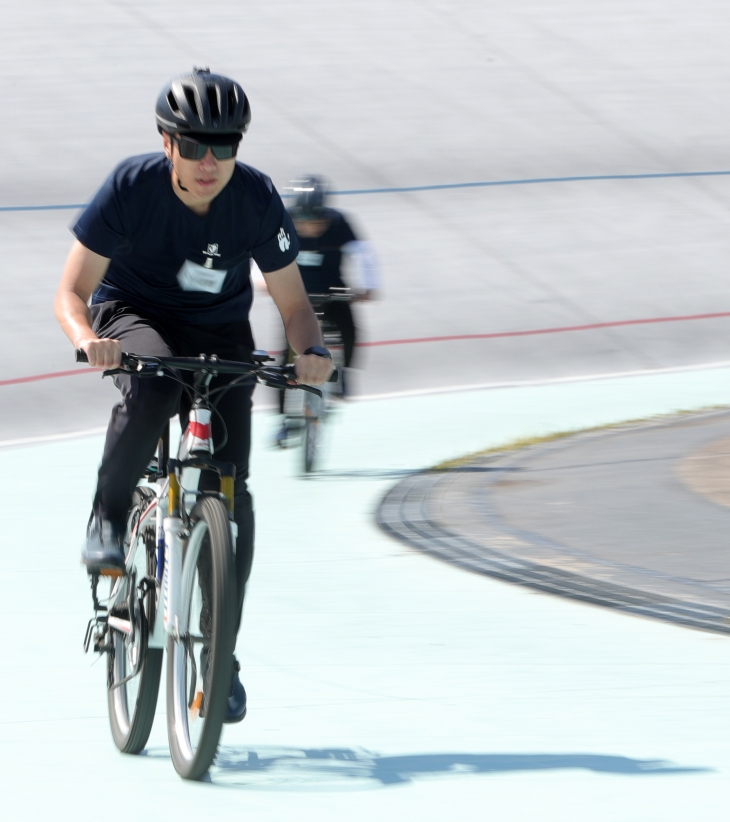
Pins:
<point x="326" y="242"/>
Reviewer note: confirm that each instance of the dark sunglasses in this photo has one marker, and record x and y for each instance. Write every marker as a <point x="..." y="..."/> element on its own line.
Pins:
<point x="193" y="150"/>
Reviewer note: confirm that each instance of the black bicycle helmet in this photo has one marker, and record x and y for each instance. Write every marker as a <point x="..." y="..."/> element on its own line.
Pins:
<point x="202" y="103"/>
<point x="310" y="194"/>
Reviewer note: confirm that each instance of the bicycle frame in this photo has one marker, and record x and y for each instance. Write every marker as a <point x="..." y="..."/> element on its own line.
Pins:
<point x="168" y="510"/>
<point x="315" y="407"/>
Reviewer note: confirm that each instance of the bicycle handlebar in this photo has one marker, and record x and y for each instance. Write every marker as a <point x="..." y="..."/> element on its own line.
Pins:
<point x="202" y="363"/>
<point x="334" y="295"/>
<point x="277" y="376"/>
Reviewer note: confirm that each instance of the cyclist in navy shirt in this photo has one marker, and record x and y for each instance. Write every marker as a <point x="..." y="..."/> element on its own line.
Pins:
<point x="326" y="238"/>
<point x="162" y="254"/>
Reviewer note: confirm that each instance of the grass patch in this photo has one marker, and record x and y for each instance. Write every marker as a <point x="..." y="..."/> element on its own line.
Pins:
<point x="526" y="442"/>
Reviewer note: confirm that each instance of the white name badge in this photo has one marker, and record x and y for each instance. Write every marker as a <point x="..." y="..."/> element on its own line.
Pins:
<point x="194" y="277"/>
<point x="309" y="258"/>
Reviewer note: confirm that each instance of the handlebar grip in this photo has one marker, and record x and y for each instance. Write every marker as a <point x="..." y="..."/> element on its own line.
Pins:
<point x="82" y="357"/>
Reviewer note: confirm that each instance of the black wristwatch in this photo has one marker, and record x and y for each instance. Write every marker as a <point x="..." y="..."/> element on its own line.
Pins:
<point x="318" y="351"/>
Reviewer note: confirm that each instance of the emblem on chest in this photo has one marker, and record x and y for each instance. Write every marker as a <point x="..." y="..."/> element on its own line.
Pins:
<point x="210" y="252"/>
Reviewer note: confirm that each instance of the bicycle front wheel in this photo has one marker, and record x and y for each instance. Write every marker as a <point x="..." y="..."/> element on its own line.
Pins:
<point x="133" y="675"/>
<point x="199" y="661"/>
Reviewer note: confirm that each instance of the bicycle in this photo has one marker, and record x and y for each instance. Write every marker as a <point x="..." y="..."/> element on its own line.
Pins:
<point x="308" y="419"/>
<point x="178" y="587"/>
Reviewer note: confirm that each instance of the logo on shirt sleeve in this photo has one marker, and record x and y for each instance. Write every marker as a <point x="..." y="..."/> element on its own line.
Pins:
<point x="284" y="241"/>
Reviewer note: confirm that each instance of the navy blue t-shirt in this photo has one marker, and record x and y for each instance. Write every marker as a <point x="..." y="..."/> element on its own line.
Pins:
<point x="320" y="258"/>
<point x="173" y="264"/>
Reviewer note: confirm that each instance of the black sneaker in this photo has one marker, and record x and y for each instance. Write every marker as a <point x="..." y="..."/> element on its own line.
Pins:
<point x="236" y="709"/>
<point x="103" y="553"/>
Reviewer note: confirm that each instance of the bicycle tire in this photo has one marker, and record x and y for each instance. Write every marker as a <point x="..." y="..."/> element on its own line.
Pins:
<point x="196" y="707"/>
<point x="313" y="417"/>
<point x="311" y="444"/>
<point x="331" y="391"/>
<point x="132" y="704"/>
<point x="316" y="408"/>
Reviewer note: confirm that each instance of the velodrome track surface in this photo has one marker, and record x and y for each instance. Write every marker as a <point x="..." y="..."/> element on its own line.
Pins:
<point x="381" y="683"/>
<point x="395" y="96"/>
<point x="368" y="666"/>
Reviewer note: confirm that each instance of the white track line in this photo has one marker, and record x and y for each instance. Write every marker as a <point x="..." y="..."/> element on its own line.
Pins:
<point x="487" y="386"/>
<point x="490" y="386"/>
<point x="89" y="432"/>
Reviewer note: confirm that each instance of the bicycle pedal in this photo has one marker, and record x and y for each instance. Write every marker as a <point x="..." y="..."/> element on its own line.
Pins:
<point x="101" y="646"/>
<point x="96" y="635"/>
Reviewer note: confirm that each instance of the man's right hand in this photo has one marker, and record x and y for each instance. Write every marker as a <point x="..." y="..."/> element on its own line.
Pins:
<point x="102" y="353"/>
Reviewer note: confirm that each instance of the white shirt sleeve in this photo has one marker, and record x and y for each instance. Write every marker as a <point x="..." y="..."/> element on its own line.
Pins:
<point x="365" y="263"/>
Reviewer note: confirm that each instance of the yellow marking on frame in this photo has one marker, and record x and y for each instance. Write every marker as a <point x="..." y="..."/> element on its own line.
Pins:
<point x="227" y="491"/>
<point x="174" y="495"/>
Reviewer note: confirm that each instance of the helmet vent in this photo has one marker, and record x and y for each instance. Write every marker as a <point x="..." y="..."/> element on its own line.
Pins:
<point x="173" y="104"/>
<point x="191" y="97"/>
<point x="215" y="111"/>
<point x="232" y="99"/>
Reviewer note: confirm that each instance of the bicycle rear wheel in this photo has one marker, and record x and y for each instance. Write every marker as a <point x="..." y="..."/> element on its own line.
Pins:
<point x="316" y="409"/>
<point x="199" y="662"/>
<point x="132" y="702"/>
<point x="311" y="444"/>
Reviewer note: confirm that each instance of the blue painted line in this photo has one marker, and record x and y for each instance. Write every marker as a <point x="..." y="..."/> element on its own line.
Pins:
<point x="43" y="208"/>
<point x="536" y="181"/>
<point x="445" y="186"/>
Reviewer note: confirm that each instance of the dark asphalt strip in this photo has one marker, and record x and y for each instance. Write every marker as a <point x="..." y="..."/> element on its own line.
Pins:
<point x="403" y="515"/>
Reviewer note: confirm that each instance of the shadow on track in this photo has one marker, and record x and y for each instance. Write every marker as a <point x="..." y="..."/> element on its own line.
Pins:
<point x="343" y="768"/>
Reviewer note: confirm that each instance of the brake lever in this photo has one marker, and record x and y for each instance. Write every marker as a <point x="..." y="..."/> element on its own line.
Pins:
<point x="282" y="381"/>
<point x="147" y="369"/>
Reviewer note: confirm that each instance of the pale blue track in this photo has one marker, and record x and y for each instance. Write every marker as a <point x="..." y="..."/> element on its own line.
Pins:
<point x="382" y="684"/>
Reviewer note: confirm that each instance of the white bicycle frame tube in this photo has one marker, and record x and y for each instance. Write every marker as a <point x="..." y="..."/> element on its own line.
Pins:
<point x="171" y="577"/>
<point x="197" y="437"/>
